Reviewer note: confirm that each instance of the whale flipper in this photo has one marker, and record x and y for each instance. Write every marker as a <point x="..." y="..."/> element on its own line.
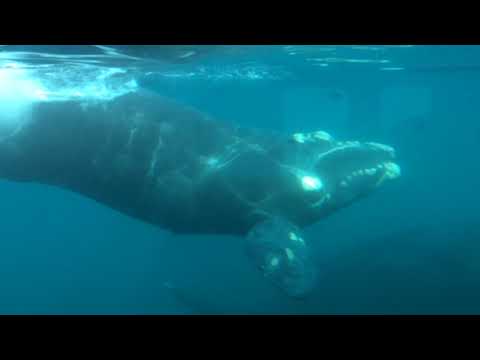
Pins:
<point x="279" y="251"/>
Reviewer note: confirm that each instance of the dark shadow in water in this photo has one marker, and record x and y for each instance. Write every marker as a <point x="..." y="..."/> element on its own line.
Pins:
<point x="428" y="269"/>
<point x="423" y="269"/>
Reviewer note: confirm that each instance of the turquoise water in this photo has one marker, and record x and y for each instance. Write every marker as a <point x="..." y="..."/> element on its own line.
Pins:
<point x="413" y="247"/>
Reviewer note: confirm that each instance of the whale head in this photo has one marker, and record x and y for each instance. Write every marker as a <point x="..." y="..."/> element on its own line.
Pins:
<point x="313" y="175"/>
<point x="332" y="174"/>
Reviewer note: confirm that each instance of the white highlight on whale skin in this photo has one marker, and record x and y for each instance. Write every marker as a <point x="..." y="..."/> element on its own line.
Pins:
<point x="290" y="254"/>
<point x="274" y="261"/>
<point x="292" y="236"/>
<point x="212" y="162"/>
<point x="295" y="238"/>
<point x="311" y="183"/>
<point x="299" y="137"/>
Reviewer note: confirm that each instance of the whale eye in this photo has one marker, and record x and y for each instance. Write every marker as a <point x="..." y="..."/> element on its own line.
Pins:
<point x="278" y="250"/>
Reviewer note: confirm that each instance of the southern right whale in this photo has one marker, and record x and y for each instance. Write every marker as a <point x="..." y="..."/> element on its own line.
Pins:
<point x="172" y="166"/>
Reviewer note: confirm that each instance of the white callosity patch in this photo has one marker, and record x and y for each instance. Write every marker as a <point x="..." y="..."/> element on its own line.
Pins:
<point x="300" y="138"/>
<point x="390" y="171"/>
<point x="317" y="136"/>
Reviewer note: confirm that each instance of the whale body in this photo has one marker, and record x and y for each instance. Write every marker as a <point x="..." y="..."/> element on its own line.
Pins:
<point x="175" y="167"/>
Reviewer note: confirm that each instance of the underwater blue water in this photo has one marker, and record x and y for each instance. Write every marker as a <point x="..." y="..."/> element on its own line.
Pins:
<point x="413" y="247"/>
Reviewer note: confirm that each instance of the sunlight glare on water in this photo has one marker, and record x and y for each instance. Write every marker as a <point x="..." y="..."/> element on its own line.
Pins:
<point x="21" y="86"/>
<point x="17" y="93"/>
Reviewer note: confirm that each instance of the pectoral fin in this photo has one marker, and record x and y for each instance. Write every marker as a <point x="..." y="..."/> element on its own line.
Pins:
<point x="280" y="252"/>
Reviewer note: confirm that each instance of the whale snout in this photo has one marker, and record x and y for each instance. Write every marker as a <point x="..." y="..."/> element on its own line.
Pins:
<point x="338" y="172"/>
<point x="364" y="165"/>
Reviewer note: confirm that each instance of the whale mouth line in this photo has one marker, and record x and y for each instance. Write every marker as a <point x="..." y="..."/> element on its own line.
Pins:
<point x="372" y="175"/>
<point x="355" y="163"/>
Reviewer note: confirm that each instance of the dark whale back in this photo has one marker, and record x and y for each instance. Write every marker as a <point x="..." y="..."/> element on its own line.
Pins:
<point x="140" y="154"/>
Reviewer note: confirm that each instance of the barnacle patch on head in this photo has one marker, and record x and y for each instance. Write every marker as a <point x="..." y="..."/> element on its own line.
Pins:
<point x="313" y="137"/>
